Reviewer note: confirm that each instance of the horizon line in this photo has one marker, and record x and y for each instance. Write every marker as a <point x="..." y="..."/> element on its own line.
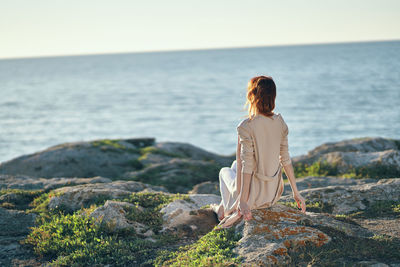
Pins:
<point x="196" y="49"/>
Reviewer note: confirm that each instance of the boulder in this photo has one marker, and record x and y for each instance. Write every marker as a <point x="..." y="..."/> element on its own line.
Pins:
<point x="111" y="216"/>
<point x="206" y="188"/>
<point x="346" y="199"/>
<point x="268" y="237"/>
<point x="107" y="158"/>
<point x="72" y="198"/>
<point x="34" y="183"/>
<point x="14" y="225"/>
<point x="381" y="155"/>
<point x="315" y="181"/>
<point x="190" y="151"/>
<point x="187" y="217"/>
<point x="177" y="175"/>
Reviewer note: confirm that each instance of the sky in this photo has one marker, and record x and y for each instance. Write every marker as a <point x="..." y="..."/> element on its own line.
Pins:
<point x="54" y="27"/>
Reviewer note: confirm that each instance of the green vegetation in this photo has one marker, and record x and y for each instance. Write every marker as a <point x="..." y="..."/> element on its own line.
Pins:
<point x="66" y="239"/>
<point x="153" y="203"/>
<point x="113" y="145"/>
<point x="180" y="177"/>
<point x="344" y="250"/>
<point x="212" y="249"/>
<point x="319" y="168"/>
<point x="154" y="150"/>
<point x="323" y="168"/>
<point x="313" y="206"/>
<point x="18" y="198"/>
<point x="377" y="170"/>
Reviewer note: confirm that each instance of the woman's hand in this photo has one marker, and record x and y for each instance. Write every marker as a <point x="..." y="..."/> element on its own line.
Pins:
<point x="245" y="211"/>
<point x="301" y="203"/>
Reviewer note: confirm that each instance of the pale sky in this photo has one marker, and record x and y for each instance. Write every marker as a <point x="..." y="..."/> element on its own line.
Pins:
<point x="53" y="27"/>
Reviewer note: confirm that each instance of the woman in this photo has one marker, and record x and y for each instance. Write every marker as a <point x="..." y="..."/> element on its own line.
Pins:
<point x="262" y="151"/>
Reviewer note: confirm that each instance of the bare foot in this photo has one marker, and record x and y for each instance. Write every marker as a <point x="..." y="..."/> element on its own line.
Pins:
<point x="219" y="209"/>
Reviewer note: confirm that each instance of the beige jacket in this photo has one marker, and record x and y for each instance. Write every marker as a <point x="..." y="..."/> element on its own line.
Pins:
<point x="264" y="151"/>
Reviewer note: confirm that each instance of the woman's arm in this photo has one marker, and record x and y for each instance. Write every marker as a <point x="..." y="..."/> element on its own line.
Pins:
<point x="238" y="167"/>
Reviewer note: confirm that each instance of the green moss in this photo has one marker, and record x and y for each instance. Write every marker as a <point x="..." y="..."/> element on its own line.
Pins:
<point x="323" y="168"/>
<point x="21" y="200"/>
<point x="344" y="250"/>
<point x="181" y="177"/>
<point x="153" y="203"/>
<point x="154" y="150"/>
<point x="113" y="145"/>
<point x="77" y="240"/>
<point x="377" y="170"/>
<point x="212" y="249"/>
<point x="313" y="206"/>
<point x="318" y="168"/>
<point x="39" y="204"/>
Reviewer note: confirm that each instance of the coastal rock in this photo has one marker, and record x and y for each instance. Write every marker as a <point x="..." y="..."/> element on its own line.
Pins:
<point x="107" y="158"/>
<point x="112" y="217"/>
<point x="315" y="182"/>
<point x="34" y="183"/>
<point x="187" y="217"/>
<point x="345" y="199"/>
<point x="268" y="237"/>
<point x="206" y="188"/>
<point x="177" y="175"/>
<point x="14" y="227"/>
<point x="72" y="198"/>
<point x="190" y="151"/>
<point x="380" y="155"/>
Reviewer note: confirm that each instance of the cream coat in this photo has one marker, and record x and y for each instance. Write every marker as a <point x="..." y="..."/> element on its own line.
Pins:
<point x="264" y="151"/>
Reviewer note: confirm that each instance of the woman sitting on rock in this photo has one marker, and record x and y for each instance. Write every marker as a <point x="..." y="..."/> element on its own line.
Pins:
<point x="262" y="151"/>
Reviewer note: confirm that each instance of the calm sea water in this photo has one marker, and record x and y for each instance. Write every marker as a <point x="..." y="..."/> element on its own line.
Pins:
<point x="325" y="93"/>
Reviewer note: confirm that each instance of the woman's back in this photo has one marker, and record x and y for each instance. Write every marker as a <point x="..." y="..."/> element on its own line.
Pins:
<point x="264" y="143"/>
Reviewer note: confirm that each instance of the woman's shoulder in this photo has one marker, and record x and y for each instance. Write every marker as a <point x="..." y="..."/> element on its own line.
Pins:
<point x="243" y="123"/>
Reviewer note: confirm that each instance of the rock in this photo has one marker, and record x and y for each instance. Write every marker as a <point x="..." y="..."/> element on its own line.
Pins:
<point x="112" y="216"/>
<point x="314" y="182"/>
<point x="15" y="222"/>
<point x="34" y="183"/>
<point x="107" y="158"/>
<point x="111" y="158"/>
<point x="177" y="175"/>
<point x="187" y="218"/>
<point x="14" y="227"/>
<point x="267" y="238"/>
<point x="195" y="153"/>
<point x="73" y="198"/>
<point x="206" y="188"/>
<point x="345" y="199"/>
<point x="380" y="155"/>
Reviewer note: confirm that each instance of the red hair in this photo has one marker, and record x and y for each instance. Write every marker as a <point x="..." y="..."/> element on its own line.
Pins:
<point x="261" y="94"/>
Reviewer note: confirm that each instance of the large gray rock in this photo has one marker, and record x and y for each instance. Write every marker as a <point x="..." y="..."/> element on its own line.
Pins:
<point x="14" y="226"/>
<point x="34" y="183"/>
<point x="367" y="152"/>
<point x="267" y="238"/>
<point x="178" y="175"/>
<point x="111" y="158"/>
<point x="72" y="198"/>
<point x="196" y="153"/>
<point x="107" y="158"/>
<point x="345" y="199"/>
<point x="187" y="217"/>
<point x="112" y="216"/>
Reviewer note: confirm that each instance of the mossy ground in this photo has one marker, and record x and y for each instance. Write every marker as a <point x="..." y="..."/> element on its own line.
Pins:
<point x="344" y="250"/>
<point x="212" y="249"/>
<point x="323" y="168"/>
<point x="65" y="239"/>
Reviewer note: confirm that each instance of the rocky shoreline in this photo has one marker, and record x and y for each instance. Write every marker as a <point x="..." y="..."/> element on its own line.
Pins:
<point x="138" y="202"/>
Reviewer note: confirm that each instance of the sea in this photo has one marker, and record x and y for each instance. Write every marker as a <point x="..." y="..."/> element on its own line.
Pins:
<point x="325" y="93"/>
